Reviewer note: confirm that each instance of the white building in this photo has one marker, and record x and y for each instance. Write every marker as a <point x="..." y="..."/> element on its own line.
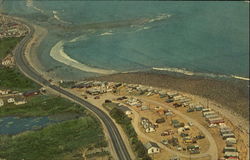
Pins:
<point x="11" y="100"/>
<point x="4" y="92"/>
<point x="152" y="147"/>
<point x="125" y="109"/>
<point x="19" y="100"/>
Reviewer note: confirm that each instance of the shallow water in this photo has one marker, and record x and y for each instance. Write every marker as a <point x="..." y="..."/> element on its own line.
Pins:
<point x="12" y="125"/>
<point x="199" y="37"/>
<point x="15" y="125"/>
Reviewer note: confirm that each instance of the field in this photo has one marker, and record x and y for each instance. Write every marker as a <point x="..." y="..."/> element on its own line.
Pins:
<point x="7" y="45"/>
<point x="60" y="141"/>
<point x="11" y="78"/>
<point x="42" y="105"/>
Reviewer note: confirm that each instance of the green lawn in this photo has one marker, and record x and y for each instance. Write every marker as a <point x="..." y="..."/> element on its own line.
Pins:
<point x="55" y="142"/>
<point x="42" y="106"/>
<point x="7" y="45"/>
<point x="11" y="78"/>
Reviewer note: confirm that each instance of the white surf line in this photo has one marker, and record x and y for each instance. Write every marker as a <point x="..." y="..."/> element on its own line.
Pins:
<point x="58" y="54"/>
<point x="190" y="73"/>
<point x="55" y="15"/>
<point x="29" y="3"/>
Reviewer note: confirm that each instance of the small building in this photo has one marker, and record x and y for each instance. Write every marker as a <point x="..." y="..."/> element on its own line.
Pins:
<point x="150" y="129"/>
<point x="1" y="103"/>
<point x="8" y="61"/>
<point x="216" y="120"/>
<point x="206" y="110"/>
<point x="152" y="147"/>
<point x="229" y="149"/>
<point x="93" y="91"/>
<point x="161" y="111"/>
<point x="199" y="108"/>
<point x="231" y="154"/>
<point x="231" y="141"/>
<point x="180" y="130"/>
<point x="4" y="92"/>
<point x="19" y="100"/>
<point x="208" y="113"/>
<point x="125" y="109"/>
<point x="11" y="100"/>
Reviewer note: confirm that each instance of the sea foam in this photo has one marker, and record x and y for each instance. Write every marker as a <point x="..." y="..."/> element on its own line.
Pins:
<point x="190" y="73"/>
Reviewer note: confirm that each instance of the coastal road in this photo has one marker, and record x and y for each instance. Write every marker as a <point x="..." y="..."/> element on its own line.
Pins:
<point x="25" y="67"/>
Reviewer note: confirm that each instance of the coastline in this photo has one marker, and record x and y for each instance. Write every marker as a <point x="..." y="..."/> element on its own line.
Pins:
<point x="229" y="98"/>
<point x="233" y="97"/>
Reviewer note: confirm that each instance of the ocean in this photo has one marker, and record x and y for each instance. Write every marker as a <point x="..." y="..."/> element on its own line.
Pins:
<point x="92" y="38"/>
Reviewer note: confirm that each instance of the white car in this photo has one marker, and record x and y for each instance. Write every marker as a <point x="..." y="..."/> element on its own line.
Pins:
<point x="190" y="123"/>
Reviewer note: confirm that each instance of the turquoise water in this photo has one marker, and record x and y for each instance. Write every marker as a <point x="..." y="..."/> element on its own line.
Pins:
<point x="200" y="37"/>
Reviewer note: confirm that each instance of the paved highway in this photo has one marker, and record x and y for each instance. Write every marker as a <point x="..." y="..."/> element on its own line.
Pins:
<point x="25" y="67"/>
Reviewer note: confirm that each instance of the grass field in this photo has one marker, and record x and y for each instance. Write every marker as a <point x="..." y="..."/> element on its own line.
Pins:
<point x="11" y="78"/>
<point x="56" y="142"/>
<point x="59" y="141"/>
<point x="7" y="45"/>
<point x="42" y="105"/>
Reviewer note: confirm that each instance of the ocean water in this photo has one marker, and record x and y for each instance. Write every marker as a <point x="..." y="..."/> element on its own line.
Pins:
<point x="91" y="38"/>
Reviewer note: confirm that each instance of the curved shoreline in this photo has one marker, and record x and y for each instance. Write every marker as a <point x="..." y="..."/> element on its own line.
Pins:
<point x="58" y="54"/>
<point x="22" y="63"/>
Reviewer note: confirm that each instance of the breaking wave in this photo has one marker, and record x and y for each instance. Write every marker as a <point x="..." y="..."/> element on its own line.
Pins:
<point x="55" y="13"/>
<point x="29" y="3"/>
<point x="190" y="73"/>
<point x="106" y="33"/>
<point x="58" y="54"/>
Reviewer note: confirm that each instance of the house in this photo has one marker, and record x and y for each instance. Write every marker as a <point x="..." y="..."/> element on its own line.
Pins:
<point x="1" y="103"/>
<point x="4" y="92"/>
<point x="11" y="100"/>
<point x="231" y="141"/>
<point x="93" y="91"/>
<point x="8" y="61"/>
<point x="152" y="147"/>
<point x="208" y="113"/>
<point x="161" y="111"/>
<point x="125" y="109"/>
<point x="231" y="154"/>
<point x="150" y="129"/>
<point x="215" y="120"/>
<point x="19" y="100"/>
<point x="229" y="149"/>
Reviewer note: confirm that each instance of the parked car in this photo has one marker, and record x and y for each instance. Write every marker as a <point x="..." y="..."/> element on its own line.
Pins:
<point x="165" y="142"/>
<point x="190" y="110"/>
<point x="97" y="97"/>
<point x="169" y="100"/>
